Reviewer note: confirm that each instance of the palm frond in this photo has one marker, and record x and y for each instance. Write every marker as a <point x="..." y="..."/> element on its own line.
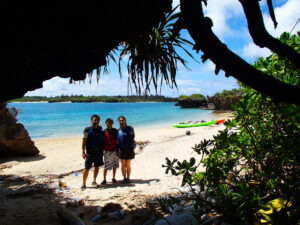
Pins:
<point x="153" y="57"/>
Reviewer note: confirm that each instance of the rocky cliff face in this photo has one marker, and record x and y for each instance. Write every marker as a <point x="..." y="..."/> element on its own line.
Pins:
<point x="224" y="103"/>
<point x="218" y="102"/>
<point x="188" y="103"/>
<point x="14" y="138"/>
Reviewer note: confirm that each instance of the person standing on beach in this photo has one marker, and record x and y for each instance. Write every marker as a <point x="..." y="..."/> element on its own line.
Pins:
<point x="92" y="149"/>
<point x="111" y="153"/>
<point x="126" y="144"/>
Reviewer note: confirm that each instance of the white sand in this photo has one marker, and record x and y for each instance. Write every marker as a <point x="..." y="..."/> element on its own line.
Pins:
<point x="63" y="155"/>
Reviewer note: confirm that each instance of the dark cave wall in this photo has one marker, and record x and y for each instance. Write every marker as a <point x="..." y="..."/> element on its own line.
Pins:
<point x="44" y="39"/>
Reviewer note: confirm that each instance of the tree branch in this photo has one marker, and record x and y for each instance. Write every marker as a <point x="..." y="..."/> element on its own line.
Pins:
<point x="260" y="35"/>
<point x="271" y="11"/>
<point x="199" y="28"/>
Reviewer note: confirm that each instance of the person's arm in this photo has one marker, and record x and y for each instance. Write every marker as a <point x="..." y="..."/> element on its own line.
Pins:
<point x="131" y="135"/>
<point x="116" y="136"/>
<point x="103" y="137"/>
<point x="83" y="148"/>
<point x="85" y="136"/>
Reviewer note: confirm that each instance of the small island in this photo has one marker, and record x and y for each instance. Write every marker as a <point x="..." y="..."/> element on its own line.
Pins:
<point x="219" y="102"/>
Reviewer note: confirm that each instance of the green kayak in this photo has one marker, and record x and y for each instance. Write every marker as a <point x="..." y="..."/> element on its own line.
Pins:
<point x="184" y="125"/>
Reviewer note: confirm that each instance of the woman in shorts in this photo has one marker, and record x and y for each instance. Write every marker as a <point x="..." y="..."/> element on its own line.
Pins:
<point x="126" y="145"/>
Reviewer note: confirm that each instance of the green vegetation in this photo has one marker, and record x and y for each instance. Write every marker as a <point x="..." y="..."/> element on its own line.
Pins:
<point x="8" y="118"/>
<point x="80" y="98"/>
<point x="193" y="97"/>
<point x="252" y="167"/>
<point x="229" y="93"/>
<point x="224" y="94"/>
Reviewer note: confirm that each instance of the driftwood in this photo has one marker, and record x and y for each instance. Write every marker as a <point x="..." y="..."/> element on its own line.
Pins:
<point x="68" y="217"/>
<point x="68" y="173"/>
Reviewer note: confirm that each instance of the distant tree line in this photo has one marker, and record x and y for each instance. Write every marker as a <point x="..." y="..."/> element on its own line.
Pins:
<point x="81" y="98"/>
<point x="225" y="93"/>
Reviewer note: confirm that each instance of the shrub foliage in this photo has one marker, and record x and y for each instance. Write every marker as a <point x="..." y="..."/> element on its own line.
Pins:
<point x="252" y="167"/>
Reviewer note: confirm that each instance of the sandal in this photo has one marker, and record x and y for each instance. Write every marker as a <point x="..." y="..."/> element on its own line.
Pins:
<point x="123" y="181"/>
<point x="83" y="187"/>
<point x="94" y="183"/>
<point x="103" y="182"/>
<point x="127" y="181"/>
<point x="114" y="180"/>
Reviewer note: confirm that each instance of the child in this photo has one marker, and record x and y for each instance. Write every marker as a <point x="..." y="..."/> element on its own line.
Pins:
<point x="111" y="154"/>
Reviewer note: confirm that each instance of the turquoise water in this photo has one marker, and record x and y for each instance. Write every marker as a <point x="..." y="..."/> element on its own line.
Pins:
<point x="47" y="120"/>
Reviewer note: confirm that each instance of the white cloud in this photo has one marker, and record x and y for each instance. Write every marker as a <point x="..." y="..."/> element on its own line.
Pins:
<point x="207" y="67"/>
<point x="107" y="85"/>
<point x="185" y="82"/>
<point x="286" y="15"/>
<point x="198" y="69"/>
<point x="252" y="51"/>
<point x="176" y="3"/>
<point x="221" y="12"/>
<point x="189" y="91"/>
<point x="202" y="85"/>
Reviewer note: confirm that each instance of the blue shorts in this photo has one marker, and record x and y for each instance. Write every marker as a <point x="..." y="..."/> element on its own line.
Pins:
<point x="97" y="160"/>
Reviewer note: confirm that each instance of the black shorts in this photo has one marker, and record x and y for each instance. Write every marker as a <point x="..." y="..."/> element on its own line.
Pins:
<point x="127" y="154"/>
<point x="97" y="160"/>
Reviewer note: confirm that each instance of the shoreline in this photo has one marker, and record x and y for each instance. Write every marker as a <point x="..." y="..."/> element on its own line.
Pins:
<point x="91" y="102"/>
<point x="160" y="140"/>
<point x="145" y="128"/>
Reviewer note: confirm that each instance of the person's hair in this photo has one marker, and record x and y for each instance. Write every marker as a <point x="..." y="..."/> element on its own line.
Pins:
<point x="123" y="117"/>
<point x="95" y="115"/>
<point x="109" y="120"/>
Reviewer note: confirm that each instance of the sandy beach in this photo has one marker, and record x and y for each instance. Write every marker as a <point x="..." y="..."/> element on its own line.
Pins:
<point x="62" y="156"/>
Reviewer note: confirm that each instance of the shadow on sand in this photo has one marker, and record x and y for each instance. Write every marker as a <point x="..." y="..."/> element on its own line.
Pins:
<point x="4" y="158"/>
<point x="132" y="183"/>
<point x="24" y="201"/>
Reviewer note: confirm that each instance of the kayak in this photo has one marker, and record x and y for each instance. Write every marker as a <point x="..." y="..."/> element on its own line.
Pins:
<point x="184" y="125"/>
<point x="220" y="121"/>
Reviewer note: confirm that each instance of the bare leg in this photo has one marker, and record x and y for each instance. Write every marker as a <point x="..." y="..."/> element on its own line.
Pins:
<point x="128" y="167"/>
<point x="85" y="175"/>
<point x="104" y="174"/>
<point x="114" y="172"/>
<point x="123" y="168"/>
<point x="96" y="170"/>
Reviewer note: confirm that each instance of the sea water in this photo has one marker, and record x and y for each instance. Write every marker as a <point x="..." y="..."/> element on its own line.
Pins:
<point x="50" y="120"/>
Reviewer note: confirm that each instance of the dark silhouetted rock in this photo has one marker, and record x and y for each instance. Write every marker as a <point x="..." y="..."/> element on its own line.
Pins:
<point x="209" y="106"/>
<point x="188" y="103"/>
<point x="14" y="138"/>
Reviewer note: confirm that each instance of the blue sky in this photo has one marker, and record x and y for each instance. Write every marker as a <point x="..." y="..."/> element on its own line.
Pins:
<point x="229" y="25"/>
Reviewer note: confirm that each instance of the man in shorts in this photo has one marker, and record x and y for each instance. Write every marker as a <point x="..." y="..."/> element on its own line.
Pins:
<point x="92" y="149"/>
<point x="111" y="153"/>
